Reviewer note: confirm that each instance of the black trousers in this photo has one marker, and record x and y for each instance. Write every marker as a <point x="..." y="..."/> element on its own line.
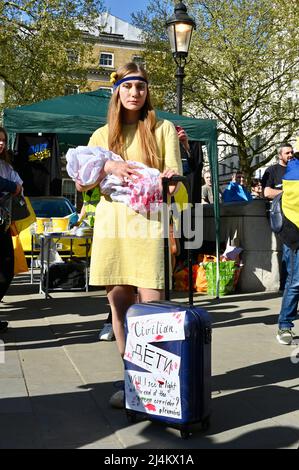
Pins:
<point x="6" y="262"/>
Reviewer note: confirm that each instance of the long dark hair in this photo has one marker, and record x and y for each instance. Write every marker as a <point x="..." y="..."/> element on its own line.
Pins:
<point x="4" y="155"/>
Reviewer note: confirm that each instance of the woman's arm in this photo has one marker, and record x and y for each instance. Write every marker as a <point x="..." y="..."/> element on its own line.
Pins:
<point x="10" y="186"/>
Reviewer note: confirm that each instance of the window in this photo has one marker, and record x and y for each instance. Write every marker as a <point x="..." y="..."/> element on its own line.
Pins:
<point x="106" y="59"/>
<point x="138" y="59"/>
<point x="69" y="190"/>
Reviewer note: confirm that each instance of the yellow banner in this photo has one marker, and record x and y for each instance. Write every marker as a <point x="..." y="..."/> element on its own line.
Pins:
<point x="290" y="200"/>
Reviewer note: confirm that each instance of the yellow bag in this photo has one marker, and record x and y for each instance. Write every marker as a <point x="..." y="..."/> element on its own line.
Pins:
<point x="25" y="223"/>
<point x="20" y="265"/>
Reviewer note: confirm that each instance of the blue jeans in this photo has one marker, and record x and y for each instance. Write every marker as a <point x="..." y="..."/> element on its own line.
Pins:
<point x="290" y="298"/>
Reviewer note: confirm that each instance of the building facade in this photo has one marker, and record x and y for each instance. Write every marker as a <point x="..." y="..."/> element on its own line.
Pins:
<point x="117" y="43"/>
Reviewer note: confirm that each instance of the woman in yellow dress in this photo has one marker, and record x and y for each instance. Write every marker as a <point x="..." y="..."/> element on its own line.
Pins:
<point x="127" y="250"/>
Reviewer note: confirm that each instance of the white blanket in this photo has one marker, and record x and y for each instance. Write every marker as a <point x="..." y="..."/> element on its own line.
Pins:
<point x="142" y="193"/>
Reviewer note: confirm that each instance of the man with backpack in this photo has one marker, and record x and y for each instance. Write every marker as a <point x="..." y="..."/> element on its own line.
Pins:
<point x="289" y="236"/>
<point x="272" y="187"/>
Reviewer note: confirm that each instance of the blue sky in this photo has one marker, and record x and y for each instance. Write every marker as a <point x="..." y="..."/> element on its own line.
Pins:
<point x="123" y="8"/>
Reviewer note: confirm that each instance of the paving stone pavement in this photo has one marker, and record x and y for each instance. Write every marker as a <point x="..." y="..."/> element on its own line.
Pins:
<point x="57" y="377"/>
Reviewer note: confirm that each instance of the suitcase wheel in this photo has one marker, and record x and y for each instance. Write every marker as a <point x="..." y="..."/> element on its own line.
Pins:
<point x="185" y="434"/>
<point x="131" y="417"/>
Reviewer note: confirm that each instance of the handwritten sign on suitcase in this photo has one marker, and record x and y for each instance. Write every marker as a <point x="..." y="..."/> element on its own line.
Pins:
<point x="156" y="389"/>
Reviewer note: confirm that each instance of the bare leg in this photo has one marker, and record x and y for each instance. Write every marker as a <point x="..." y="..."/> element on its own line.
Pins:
<point x="148" y="295"/>
<point x="120" y="299"/>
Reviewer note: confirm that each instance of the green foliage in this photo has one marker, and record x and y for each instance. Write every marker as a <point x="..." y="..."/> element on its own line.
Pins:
<point x="243" y="64"/>
<point x="36" y="38"/>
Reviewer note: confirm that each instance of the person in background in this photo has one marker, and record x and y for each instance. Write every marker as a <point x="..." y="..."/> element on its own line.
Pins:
<point x="10" y="182"/>
<point x="273" y="176"/>
<point x="186" y="155"/>
<point x="91" y="199"/>
<point x="289" y="236"/>
<point x="207" y="190"/>
<point x="256" y="189"/>
<point x="236" y="190"/>
<point x="272" y="186"/>
<point x="242" y="180"/>
<point x="124" y="264"/>
<point x="239" y="178"/>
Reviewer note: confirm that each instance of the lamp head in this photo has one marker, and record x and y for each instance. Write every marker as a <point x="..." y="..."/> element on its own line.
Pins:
<point x="180" y="27"/>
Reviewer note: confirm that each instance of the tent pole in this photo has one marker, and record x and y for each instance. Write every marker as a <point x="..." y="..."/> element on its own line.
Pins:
<point x="213" y="160"/>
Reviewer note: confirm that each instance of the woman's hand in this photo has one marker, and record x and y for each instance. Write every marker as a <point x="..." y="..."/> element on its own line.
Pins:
<point x="123" y="170"/>
<point x="18" y="190"/>
<point x="82" y="188"/>
<point x="183" y="138"/>
<point x="169" y="174"/>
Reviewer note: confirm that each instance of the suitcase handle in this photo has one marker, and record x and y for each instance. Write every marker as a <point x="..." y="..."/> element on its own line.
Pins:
<point x="165" y="183"/>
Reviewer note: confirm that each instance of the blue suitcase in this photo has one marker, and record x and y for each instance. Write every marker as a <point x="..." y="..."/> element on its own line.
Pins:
<point x="168" y="359"/>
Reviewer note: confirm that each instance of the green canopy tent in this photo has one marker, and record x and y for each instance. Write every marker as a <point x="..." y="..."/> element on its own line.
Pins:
<point x="74" y="117"/>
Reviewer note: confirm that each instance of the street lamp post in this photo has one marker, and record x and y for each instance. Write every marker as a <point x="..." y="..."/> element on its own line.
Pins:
<point x="180" y="27"/>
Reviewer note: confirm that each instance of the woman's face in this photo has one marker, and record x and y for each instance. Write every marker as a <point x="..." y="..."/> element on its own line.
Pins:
<point x="133" y="94"/>
<point x="2" y="142"/>
<point x="258" y="188"/>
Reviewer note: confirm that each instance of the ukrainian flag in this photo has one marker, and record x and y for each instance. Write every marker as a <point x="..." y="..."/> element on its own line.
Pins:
<point x="290" y="197"/>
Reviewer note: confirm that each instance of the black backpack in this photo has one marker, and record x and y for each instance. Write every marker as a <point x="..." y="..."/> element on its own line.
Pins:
<point x="68" y="275"/>
<point x="276" y="214"/>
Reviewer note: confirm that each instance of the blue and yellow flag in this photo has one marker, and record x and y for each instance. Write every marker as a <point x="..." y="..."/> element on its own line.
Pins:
<point x="290" y="197"/>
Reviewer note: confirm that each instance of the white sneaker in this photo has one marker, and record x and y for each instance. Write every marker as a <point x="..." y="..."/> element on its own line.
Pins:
<point x="118" y="399"/>
<point x="285" y="336"/>
<point x="106" y="333"/>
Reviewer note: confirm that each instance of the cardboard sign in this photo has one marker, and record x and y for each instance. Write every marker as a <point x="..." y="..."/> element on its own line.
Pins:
<point x="159" y="327"/>
<point x="150" y="393"/>
<point x="149" y="357"/>
<point x="156" y="391"/>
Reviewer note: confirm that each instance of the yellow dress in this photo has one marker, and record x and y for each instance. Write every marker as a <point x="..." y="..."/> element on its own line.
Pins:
<point x="127" y="246"/>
